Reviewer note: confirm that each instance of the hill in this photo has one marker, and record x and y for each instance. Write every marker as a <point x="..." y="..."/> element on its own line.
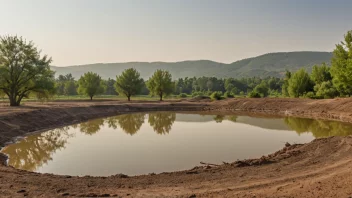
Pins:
<point x="272" y="64"/>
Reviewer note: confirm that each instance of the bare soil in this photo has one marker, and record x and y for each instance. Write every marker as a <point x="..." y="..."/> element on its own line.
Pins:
<point x="318" y="169"/>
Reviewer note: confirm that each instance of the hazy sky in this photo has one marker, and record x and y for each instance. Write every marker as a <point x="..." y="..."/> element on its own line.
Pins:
<point x="94" y="31"/>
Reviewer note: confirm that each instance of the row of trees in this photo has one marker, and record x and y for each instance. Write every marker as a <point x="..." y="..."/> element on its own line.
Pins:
<point x="24" y="73"/>
<point x="129" y="83"/>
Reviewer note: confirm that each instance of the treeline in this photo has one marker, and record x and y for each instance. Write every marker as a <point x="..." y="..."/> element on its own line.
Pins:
<point x="129" y="84"/>
<point x="25" y="73"/>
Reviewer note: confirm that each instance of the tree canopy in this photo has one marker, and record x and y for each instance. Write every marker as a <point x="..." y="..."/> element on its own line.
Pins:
<point x="23" y="70"/>
<point x="299" y="84"/>
<point x="320" y="73"/>
<point x="341" y="65"/>
<point x="129" y="83"/>
<point x="90" y="84"/>
<point x="160" y="83"/>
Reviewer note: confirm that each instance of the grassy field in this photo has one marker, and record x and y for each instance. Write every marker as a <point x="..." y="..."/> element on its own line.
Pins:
<point x="99" y="97"/>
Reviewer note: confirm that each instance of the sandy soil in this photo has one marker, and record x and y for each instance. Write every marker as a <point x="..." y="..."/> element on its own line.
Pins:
<point x="317" y="169"/>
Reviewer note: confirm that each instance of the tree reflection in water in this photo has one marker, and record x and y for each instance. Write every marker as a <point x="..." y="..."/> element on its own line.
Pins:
<point x="129" y="123"/>
<point x="161" y="121"/>
<point x="220" y="118"/>
<point x="36" y="150"/>
<point x="91" y="127"/>
<point x="319" y="128"/>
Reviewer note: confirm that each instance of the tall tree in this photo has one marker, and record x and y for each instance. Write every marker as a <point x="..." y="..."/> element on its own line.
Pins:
<point x="61" y="83"/>
<point x="129" y="83"/>
<point x="288" y="76"/>
<point x="262" y="89"/>
<point x="299" y="84"/>
<point x="23" y="70"/>
<point x="110" y="87"/>
<point x="320" y="73"/>
<point x="325" y="90"/>
<point x="341" y="65"/>
<point x="160" y="83"/>
<point x="70" y="88"/>
<point x="90" y="84"/>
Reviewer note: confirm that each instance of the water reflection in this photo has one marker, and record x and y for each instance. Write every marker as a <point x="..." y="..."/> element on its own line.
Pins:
<point x="36" y="150"/>
<point x="319" y="128"/>
<point x="129" y="123"/>
<point x="161" y="121"/>
<point x="91" y="127"/>
<point x="220" y="118"/>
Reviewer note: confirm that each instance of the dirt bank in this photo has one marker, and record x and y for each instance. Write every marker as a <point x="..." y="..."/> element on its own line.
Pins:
<point x="318" y="169"/>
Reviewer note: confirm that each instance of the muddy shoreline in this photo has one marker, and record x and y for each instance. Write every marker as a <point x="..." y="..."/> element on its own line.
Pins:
<point x="34" y="117"/>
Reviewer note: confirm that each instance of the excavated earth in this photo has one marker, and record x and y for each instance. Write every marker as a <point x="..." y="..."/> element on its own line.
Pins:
<point x="321" y="168"/>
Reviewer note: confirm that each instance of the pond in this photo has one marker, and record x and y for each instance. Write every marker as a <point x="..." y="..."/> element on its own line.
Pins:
<point x="143" y="143"/>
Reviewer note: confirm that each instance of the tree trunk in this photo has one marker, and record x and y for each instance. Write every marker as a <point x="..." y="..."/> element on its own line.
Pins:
<point x="129" y="98"/>
<point x="91" y="98"/>
<point x="13" y="101"/>
<point x="161" y="97"/>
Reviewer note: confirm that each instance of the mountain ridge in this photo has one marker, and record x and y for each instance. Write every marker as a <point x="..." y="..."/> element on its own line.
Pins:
<point x="270" y="64"/>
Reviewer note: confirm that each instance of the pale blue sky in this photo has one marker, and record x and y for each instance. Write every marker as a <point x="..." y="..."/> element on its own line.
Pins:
<point x="91" y="31"/>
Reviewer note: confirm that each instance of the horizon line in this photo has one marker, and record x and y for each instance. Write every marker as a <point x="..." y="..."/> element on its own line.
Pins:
<point x="77" y="65"/>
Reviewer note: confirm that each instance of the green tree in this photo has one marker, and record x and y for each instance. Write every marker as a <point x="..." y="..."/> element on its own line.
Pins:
<point x="325" y="90"/>
<point x="299" y="84"/>
<point x="60" y="83"/>
<point x="254" y="94"/>
<point x="160" y="83"/>
<point x="288" y="76"/>
<point x="341" y="65"/>
<point x="262" y="89"/>
<point x="23" y="70"/>
<point x="70" y="88"/>
<point x="129" y="83"/>
<point x="110" y="87"/>
<point x="320" y="73"/>
<point x="90" y="84"/>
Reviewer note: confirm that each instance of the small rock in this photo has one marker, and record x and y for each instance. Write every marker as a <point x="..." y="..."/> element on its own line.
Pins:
<point x="65" y="194"/>
<point x="192" y="196"/>
<point x="21" y="191"/>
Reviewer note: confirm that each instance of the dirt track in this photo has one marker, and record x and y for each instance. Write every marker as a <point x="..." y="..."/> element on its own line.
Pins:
<point x="318" y="169"/>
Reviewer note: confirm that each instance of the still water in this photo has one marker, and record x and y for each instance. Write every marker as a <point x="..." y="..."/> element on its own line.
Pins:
<point x="157" y="142"/>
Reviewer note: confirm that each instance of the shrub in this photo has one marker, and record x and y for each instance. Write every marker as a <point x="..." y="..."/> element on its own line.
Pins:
<point x="197" y="93"/>
<point x="228" y="95"/>
<point x="216" y="95"/>
<point x="254" y="94"/>
<point x="311" y="95"/>
<point x="182" y="95"/>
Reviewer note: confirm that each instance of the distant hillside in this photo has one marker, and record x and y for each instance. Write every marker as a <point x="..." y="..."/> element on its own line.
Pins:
<point x="273" y="64"/>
